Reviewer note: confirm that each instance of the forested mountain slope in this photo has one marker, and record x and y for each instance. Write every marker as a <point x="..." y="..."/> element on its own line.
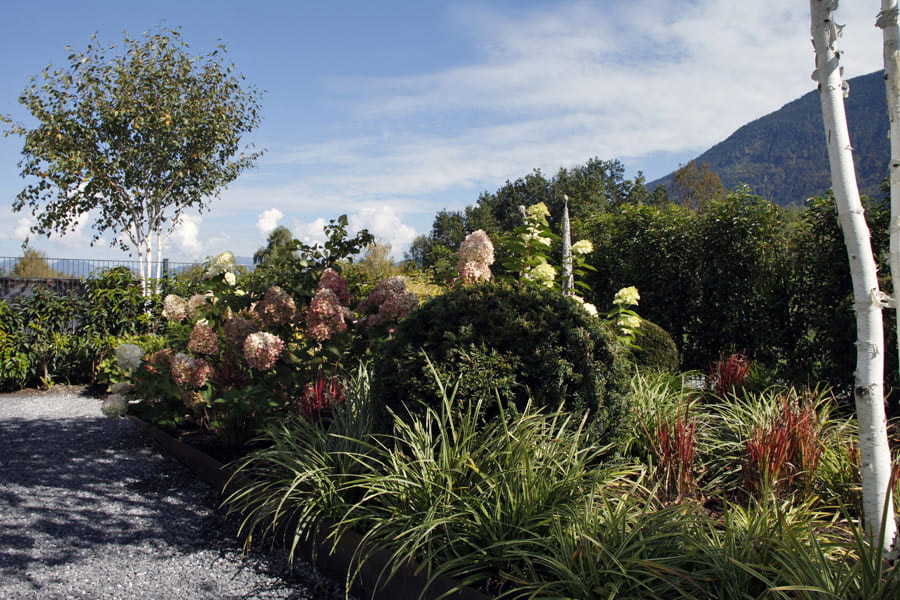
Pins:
<point x="783" y="157"/>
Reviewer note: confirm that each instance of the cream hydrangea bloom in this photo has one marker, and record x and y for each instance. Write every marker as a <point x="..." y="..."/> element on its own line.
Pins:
<point x="628" y="296"/>
<point x="114" y="406"/>
<point x="230" y="278"/>
<point x="543" y="273"/>
<point x="222" y="263"/>
<point x="590" y="308"/>
<point x="536" y="212"/>
<point x="582" y="247"/>
<point x="128" y="356"/>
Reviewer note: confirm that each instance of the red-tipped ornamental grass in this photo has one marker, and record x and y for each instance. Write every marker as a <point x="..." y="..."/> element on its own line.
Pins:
<point x="783" y="455"/>
<point x="728" y="374"/>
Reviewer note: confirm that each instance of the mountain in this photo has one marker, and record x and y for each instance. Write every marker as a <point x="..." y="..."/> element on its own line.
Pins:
<point x="783" y="157"/>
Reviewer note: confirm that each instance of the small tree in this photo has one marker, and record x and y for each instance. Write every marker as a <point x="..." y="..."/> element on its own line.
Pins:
<point x="33" y="264"/>
<point x="139" y="136"/>
<point x="693" y="184"/>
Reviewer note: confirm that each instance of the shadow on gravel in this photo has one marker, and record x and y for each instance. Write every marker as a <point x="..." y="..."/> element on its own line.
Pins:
<point x="68" y="486"/>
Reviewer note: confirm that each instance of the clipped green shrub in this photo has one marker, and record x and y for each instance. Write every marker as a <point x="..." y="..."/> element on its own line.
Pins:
<point x="517" y="343"/>
<point x="655" y="348"/>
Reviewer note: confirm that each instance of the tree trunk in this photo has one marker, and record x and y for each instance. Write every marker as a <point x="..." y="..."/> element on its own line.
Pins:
<point x="887" y="21"/>
<point x="875" y="457"/>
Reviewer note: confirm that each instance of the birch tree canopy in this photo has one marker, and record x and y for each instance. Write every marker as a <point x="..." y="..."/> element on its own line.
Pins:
<point x="134" y="134"/>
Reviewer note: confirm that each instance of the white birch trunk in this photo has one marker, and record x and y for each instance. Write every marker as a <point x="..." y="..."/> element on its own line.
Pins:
<point x="875" y="458"/>
<point x="568" y="282"/>
<point x="887" y="21"/>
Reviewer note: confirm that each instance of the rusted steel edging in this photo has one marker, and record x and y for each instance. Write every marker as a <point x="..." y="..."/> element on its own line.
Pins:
<point x="335" y="560"/>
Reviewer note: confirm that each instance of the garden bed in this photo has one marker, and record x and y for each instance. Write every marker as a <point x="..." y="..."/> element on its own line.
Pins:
<point x="190" y="446"/>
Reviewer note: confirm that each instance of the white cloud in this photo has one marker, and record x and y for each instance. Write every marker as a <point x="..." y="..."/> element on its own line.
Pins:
<point x="186" y="235"/>
<point x="268" y="220"/>
<point x="23" y="228"/>
<point x="386" y="225"/>
<point x="310" y="233"/>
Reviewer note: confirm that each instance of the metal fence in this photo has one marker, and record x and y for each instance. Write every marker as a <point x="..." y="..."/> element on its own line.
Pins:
<point x="76" y="268"/>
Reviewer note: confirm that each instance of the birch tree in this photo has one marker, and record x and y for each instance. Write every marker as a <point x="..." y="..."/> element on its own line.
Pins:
<point x="887" y="21"/>
<point x="875" y="457"/>
<point x="133" y="137"/>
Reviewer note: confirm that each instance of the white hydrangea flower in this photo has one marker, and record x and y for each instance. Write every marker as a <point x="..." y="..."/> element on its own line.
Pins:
<point x="129" y="357"/>
<point x="630" y="322"/>
<point x="230" y="279"/>
<point x="537" y="212"/>
<point x="628" y="296"/>
<point x="582" y="247"/>
<point x="114" y="406"/>
<point x="222" y="263"/>
<point x="543" y="273"/>
<point x="590" y="308"/>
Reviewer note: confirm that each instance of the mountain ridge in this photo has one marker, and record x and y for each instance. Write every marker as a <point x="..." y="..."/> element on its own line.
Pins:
<point x="783" y="157"/>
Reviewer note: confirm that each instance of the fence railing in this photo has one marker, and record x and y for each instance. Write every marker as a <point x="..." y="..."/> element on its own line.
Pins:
<point x="76" y="268"/>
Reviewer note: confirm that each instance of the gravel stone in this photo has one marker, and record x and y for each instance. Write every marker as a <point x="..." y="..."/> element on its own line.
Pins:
<point x="91" y="508"/>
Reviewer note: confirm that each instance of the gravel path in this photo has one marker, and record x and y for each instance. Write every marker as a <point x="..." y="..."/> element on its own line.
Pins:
<point x="90" y="508"/>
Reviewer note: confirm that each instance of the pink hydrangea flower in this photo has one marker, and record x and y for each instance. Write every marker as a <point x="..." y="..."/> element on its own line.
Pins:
<point x="475" y="272"/>
<point x="237" y="329"/>
<point x="276" y="307"/>
<point x="477" y="247"/>
<point x="388" y="302"/>
<point x="203" y="339"/>
<point x="190" y="373"/>
<point x="326" y="315"/>
<point x="475" y="257"/>
<point x="262" y="349"/>
<point x="332" y="280"/>
<point x="175" y="308"/>
<point x="198" y="303"/>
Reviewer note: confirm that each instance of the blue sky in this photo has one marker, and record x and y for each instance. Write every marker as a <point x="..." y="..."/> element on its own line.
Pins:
<point x="390" y="111"/>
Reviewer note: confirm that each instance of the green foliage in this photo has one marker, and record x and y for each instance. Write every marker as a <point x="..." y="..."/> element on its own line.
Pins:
<point x="654" y="348"/>
<point x="592" y="188"/>
<point x="717" y="280"/>
<point x="823" y="294"/>
<point x="295" y="266"/>
<point x="53" y="336"/>
<point x="544" y="347"/>
<point x="113" y="303"/>
<point x="278" y="248"/>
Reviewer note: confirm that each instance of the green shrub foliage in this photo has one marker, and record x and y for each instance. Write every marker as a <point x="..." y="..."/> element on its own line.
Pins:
<point x="515" y="342"/>
<point x="53" y="336"/>
<point x="655" y="348"/>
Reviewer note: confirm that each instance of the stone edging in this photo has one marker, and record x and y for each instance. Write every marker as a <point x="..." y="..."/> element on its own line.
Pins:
<point x="335" y="561"/>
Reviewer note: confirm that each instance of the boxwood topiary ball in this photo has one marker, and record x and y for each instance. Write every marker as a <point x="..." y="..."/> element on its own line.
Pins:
<point x="515" y="343"/>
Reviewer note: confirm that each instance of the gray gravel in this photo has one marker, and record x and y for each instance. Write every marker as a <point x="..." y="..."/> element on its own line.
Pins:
<point x="90" y="508"/>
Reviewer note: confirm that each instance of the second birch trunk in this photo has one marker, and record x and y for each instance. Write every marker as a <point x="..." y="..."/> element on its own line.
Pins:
<point x="875" y="458"/>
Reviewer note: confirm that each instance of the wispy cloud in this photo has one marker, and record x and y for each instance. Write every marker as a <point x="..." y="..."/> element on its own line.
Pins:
<point x="557" y="85"/>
